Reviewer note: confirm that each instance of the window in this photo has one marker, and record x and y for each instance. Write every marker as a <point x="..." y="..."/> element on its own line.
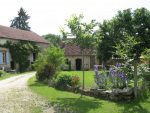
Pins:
<point x="3" y="57"/>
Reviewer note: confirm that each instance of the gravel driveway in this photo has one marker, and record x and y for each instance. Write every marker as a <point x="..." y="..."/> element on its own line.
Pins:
<point x="15" y="97"/>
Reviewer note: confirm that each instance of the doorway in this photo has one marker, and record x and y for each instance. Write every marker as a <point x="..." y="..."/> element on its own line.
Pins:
<point x="12" y="64"/>
<point x="78" y="64"/>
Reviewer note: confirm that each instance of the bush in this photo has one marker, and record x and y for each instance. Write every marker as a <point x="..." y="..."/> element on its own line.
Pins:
<point x="48" y="63"/>
<point x="63" y="81"/>
<point x="66" y="81"/>
<point x="75" y="81"/>
<point x="2" y="72"/>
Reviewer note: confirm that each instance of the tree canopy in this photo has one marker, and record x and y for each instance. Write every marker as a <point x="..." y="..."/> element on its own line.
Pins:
<point x="54" y="40"/>
<point x="83" y="33"/>
<point x="20" y="22"/>
<point x="126" y="23"/>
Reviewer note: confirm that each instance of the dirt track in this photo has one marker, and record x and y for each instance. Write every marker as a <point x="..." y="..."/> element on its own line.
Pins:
<point x="16" y="97"/>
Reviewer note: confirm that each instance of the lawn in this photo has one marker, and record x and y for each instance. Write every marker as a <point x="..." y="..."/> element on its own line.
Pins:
<point x="7" y="75"/>
<point x="67" y="101"/>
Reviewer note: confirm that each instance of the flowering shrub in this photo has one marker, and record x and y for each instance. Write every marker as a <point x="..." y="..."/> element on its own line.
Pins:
<point x="75" y="81"/>
<point x="118" y="77"/>
<point x="100" y="79"/>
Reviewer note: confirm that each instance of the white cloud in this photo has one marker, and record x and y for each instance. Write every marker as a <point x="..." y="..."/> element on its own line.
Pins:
<point x="48" y="15"/>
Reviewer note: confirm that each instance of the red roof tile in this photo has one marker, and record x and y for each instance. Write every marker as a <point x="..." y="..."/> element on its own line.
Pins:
<point x="17" y="34"/>
<point x="73" y="50"/>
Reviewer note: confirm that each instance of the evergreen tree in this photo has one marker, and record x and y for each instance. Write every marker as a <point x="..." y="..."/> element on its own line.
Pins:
<point x="20" y="22"/>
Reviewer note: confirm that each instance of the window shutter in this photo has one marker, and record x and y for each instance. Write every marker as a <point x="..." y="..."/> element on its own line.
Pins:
<point x="7" y="57"/>
<point x="1" y="58"/>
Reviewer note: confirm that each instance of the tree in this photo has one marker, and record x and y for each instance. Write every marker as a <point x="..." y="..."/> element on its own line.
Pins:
<point x="20" y="22"/>
<point x="48" y="63"/>
<point x="106" y="45"/>
<point x="127" y="34"/>
<point x="135" y="42"/>
<point x="111" y="32"/>
<point x="146" y="56"/>
<point x="53" y="39"/>
<point x="84" y="35"/>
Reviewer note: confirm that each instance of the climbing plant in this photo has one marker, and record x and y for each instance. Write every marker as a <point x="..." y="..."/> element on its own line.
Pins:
<point x="20" y="52"/>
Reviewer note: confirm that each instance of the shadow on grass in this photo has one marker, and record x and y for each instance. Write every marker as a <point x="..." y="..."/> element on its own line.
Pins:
<point x="75" y="105"/>
<point x="85" y="105"/>
<point x="134" y="107"/>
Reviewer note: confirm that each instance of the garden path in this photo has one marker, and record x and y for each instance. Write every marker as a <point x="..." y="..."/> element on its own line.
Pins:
<point x="16" y="97"/>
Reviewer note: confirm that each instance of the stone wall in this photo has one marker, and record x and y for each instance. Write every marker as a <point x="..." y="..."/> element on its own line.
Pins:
<point x="125" y="94"/>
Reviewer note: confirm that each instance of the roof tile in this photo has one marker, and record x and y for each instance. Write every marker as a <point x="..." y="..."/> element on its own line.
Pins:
<point x="17" y="34"/>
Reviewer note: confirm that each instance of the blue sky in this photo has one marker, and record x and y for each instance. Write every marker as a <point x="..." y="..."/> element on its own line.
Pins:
<point x="47" y="16"/>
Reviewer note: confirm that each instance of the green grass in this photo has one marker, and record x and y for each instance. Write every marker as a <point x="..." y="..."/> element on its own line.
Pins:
<point x="7" y="75"/>
<point x="89" y="77"/>
<point x="67" y="101"/>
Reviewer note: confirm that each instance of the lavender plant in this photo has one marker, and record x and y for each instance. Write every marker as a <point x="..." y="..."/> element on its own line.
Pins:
<point x="100" y="79"/>
<point x="118" y="77"/>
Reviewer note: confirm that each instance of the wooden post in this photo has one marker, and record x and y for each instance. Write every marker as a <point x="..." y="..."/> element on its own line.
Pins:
<point x="83" y="68"/>
<point x="83" y="72"/>
<point x="135" y="79"/>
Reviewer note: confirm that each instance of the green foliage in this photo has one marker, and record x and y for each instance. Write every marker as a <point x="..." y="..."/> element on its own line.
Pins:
<point x="20" y="22"/>
<point x="146" y="55"/>
<point x="1" y="72"/>
<point x="53" y="39"/>
<point x="107" y="41"/>
<point x="65" y="81"/>
<point x="127" y="23"/>
<point x="48" y="63"/>
<point x="20" y="52"/>
<point x="125" y="47"/>
<point x="83" y="32"/>
<point x="89" y="79"/>
<point x="70" y="102"/>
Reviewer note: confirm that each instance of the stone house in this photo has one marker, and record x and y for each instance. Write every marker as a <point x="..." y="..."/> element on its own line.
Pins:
<point x="14" y="35"/>
<point x="74" y="57"/>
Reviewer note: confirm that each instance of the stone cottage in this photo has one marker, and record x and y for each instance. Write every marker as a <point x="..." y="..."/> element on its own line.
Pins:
<point x="74" y="57"/>
<point x="14" y="35"/>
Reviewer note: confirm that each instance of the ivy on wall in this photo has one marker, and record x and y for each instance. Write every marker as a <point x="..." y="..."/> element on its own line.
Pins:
<point x="20" y="52"/>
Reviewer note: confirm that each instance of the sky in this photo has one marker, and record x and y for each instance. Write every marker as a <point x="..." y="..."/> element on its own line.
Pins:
<point x="48" y="16"/>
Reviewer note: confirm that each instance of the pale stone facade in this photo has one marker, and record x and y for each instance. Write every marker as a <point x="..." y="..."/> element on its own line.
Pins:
<point x="15" y="35"/>
<point x="76" y="62"/>
<point x="8" y="59"/>
<point x="74" y="57"/>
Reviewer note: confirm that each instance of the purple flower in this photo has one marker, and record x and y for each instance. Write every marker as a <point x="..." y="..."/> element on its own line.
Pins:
<point x="118" y="65"/>
<point x="96" y="71"/>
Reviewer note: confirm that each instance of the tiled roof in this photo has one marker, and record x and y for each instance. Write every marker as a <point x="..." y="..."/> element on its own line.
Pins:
<point x="73" y="50"/>
<point x="17" y="34"/>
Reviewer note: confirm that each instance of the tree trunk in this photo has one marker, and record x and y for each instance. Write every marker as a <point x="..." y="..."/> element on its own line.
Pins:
<point x="149" y="66"/>
<point x="135" y="79"/>
<point x="83" y="68"/>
